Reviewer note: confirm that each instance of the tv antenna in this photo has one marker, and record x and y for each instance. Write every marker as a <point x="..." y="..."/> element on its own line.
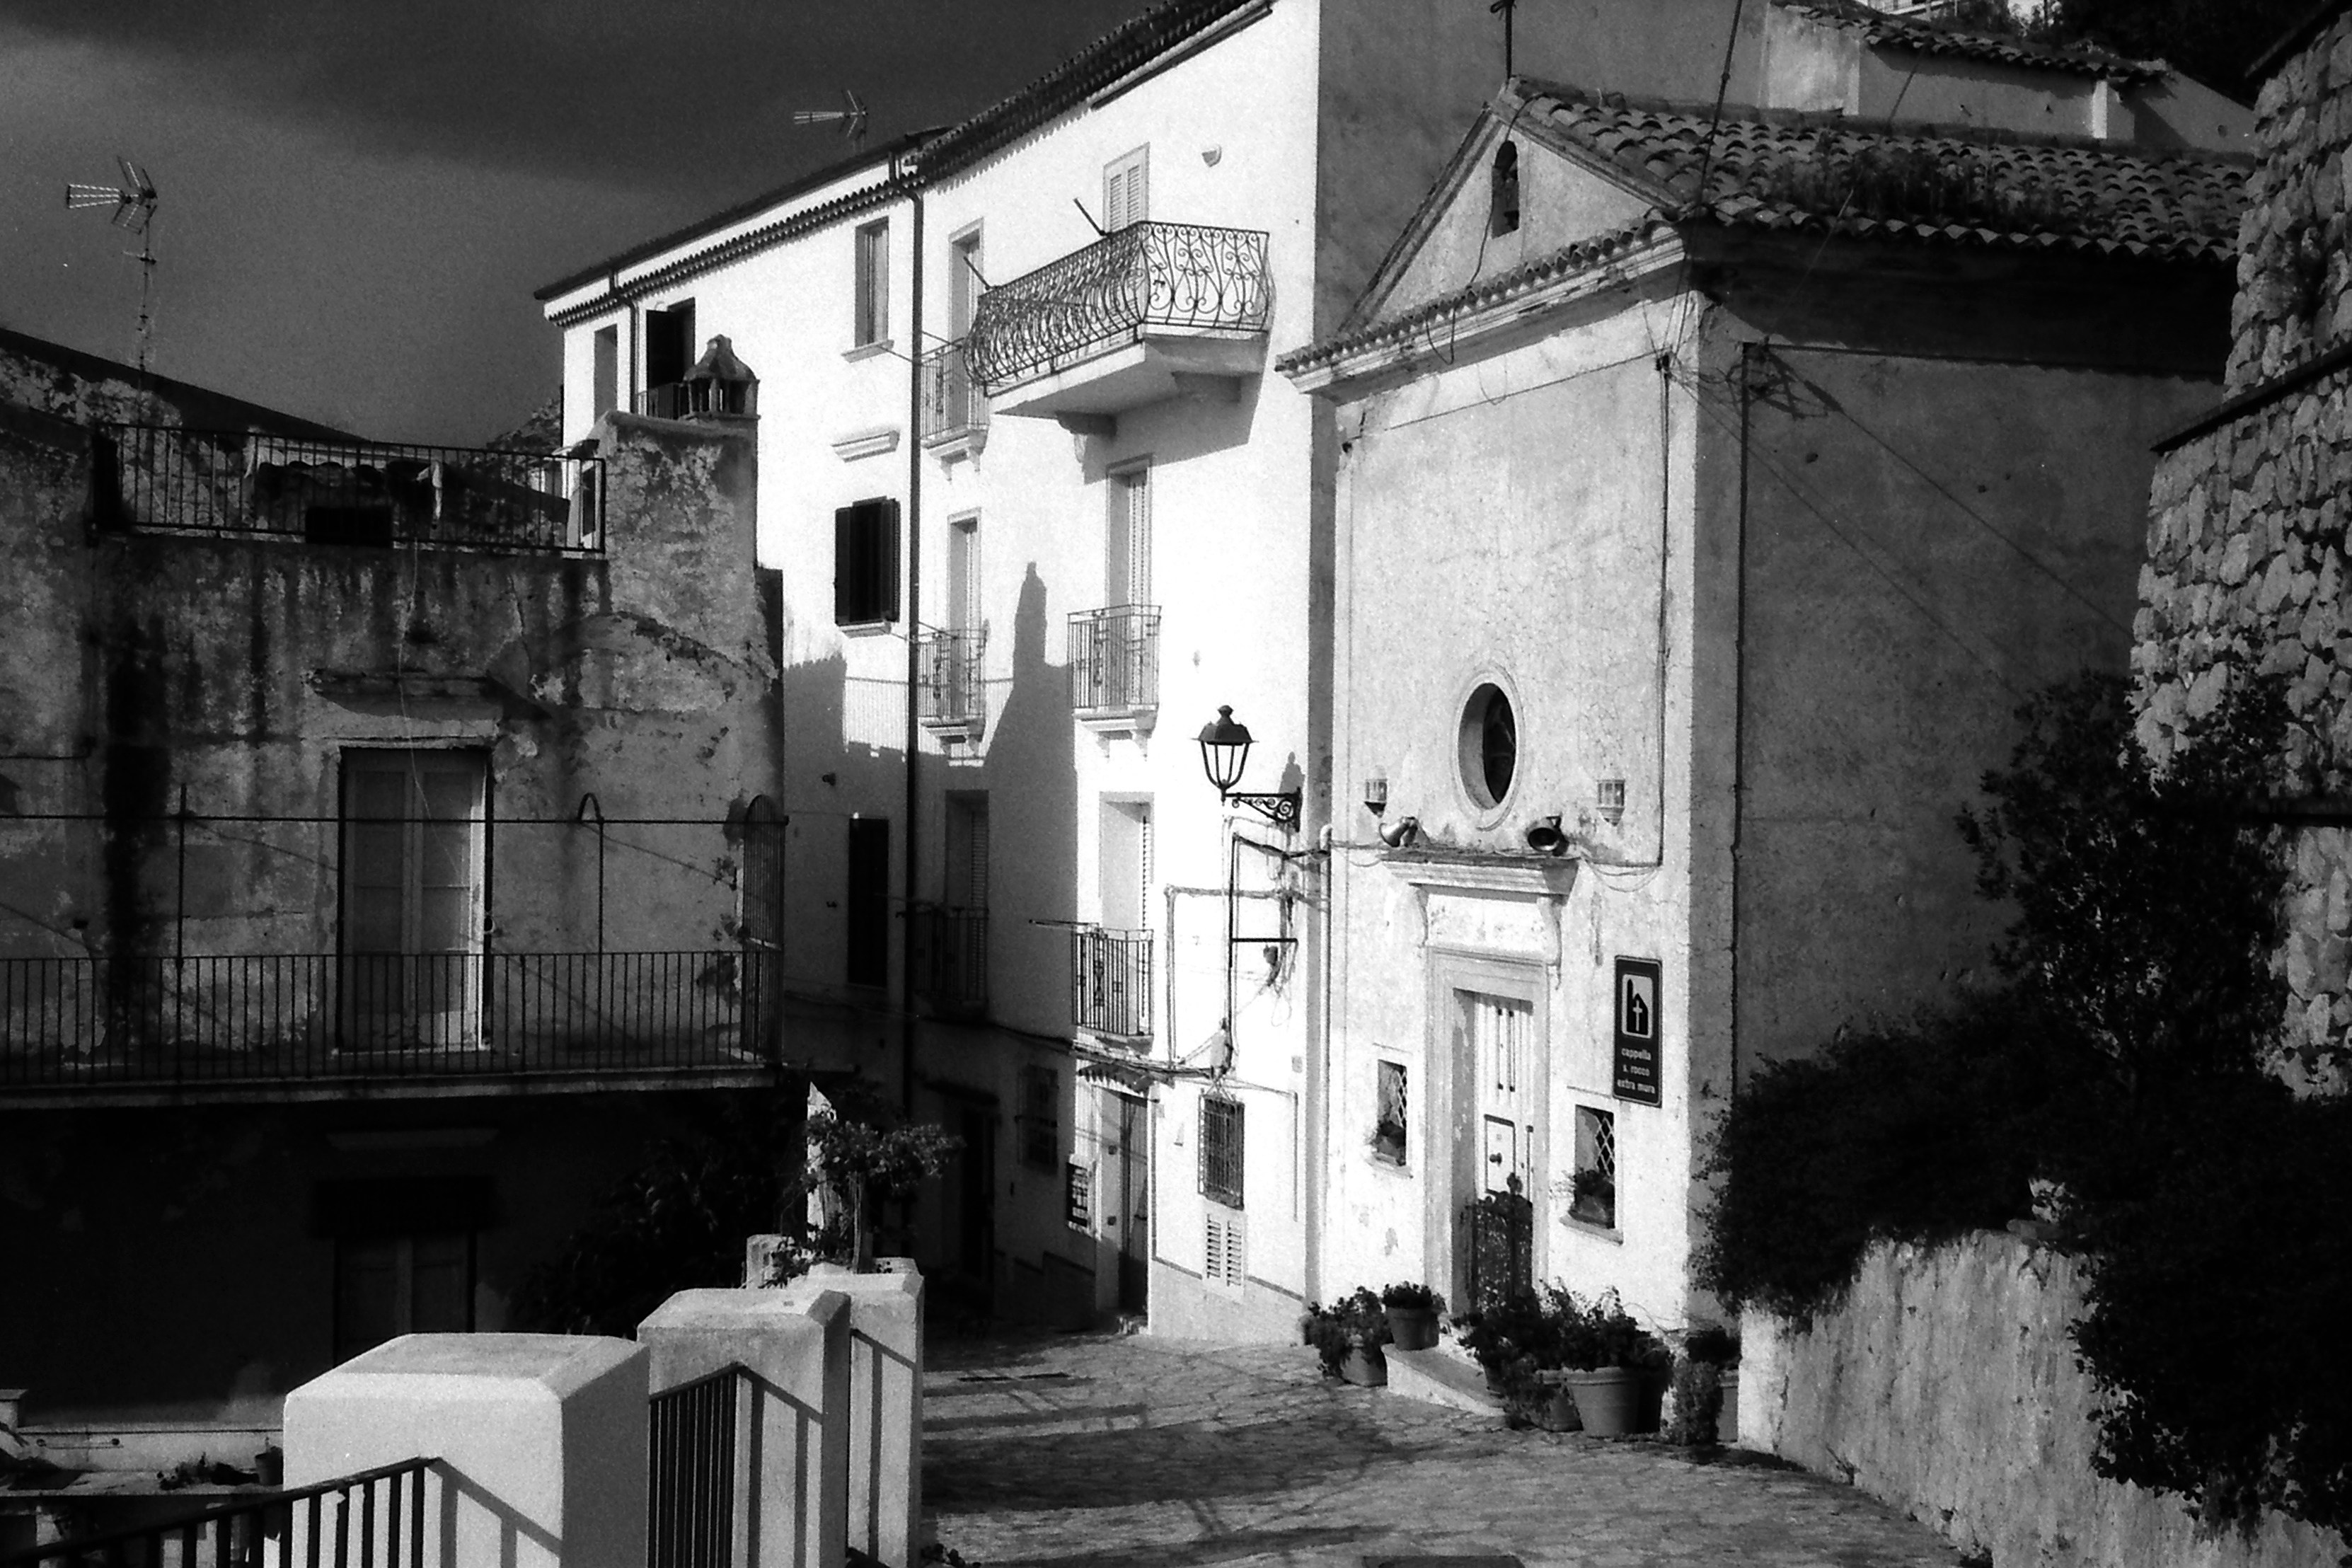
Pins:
<point x="851" y="118"/>
<point x="133" y="202"/>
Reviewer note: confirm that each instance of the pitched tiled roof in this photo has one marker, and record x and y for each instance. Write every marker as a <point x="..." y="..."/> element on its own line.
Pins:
<point x="1823" y="174"/>
<point x="1075" y="80"/>
<point x="1927" y="37"/>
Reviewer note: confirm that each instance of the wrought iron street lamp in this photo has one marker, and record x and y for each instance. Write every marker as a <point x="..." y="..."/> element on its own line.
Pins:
<point x="1224" y="752"/>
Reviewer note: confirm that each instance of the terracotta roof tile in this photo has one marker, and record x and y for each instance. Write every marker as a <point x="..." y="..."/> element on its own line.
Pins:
<point x="1926" y="37"/>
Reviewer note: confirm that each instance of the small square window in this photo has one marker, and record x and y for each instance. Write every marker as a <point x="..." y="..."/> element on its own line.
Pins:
<point x="1389" y="1114"/>
<point x="1593" y="1185"/>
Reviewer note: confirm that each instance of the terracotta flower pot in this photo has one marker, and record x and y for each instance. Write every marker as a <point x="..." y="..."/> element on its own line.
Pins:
<point x="1609" y="1400"/>
<point x="1365" y="1367"/>
<point x="1412" y="1327"/>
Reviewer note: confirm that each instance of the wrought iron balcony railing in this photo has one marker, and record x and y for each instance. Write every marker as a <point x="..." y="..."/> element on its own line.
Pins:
<point x="950" y="957"/>
<point x="172" y="480"/>
<point x="1115" y="661"/>
<point x="954" y="407"/>
<point x="948" y="691"/>
<point x="133" y="1020"/>
<point x="1110" y="981"/>
<point x="1146" y="275"/>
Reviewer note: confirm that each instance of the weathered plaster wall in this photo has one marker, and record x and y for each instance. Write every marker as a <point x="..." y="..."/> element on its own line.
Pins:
<point x="1945" y="1384"/>
<point x="175" y="1264"/>
<point x="2295" y="269"/>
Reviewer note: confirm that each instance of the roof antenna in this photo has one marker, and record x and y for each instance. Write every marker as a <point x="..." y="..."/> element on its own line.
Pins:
<point x="133" y="202"/>
<point x="1505" y="8"/>
<point x="852" y="118"/>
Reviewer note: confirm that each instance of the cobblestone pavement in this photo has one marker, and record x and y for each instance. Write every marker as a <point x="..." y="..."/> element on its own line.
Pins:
<point x="1065" y="1449"/>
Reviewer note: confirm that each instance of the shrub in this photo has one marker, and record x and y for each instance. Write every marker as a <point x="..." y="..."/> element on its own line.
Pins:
<point x="1412" y="1298"/>
<point x="1356" y="1321"/>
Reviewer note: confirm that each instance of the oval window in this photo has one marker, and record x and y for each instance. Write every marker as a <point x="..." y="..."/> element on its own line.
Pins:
<point x="1490" y="746"/>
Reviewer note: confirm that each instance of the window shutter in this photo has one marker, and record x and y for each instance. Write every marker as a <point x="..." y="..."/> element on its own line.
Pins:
<point x="845" y="564"/>
<point x="886" y="560"/>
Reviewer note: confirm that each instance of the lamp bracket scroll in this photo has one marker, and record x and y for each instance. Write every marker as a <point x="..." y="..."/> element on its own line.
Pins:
<point x="1282" y="809"/>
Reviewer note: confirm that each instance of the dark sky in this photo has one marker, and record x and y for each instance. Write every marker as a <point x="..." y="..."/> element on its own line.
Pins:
<point x="359" y="196"/>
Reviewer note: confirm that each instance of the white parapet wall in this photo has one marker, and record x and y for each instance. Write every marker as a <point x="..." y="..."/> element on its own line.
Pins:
<point x="540" y="1441"/>
<point x="886" y="1406"/>
<point x="792" y="1346"/>
<point x="1945" y="1383"/>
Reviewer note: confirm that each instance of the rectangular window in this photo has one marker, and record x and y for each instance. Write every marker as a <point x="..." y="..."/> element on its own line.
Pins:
<point x="412" y="896"/>
<point x="964" y="283"/>
<point x="867" y="903"/>
<point x="386" y="1286"/>
<point x="963" y="574"/>
<point x="669" y="343"/>
<point x="1126" y="538"/>
<point x="1388" y="1116"/>
<point x="1078" y="1197"/>
<point x="873" y="306"/>
<point x="1127" y="189"/>
<point x="1221" y="1251"/>
<point x="866" y="563"/>
<point x="607" y="354"/>
<point x="967" y="850"/>
<point x="1041" y="1119"/>
<point x="1220" y="1149"/>
<point x="1593" y="1191"/>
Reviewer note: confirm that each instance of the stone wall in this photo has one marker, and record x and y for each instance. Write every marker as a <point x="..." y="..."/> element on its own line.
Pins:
<point x="1945" y="1384"/>
<point x="2294" y="273"/>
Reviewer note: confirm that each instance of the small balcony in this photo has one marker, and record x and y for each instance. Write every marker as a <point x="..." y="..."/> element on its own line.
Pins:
<point x="366" y="1022"/>
<point x="948" y="691"/>
<point x="1153" y="311"/>
<point x="954" y="410"/>
<point x="950" y="952"/>
<point x="1115" y="666"/>
<point x="1111" y="983"/>
<point x="237" y="483"/>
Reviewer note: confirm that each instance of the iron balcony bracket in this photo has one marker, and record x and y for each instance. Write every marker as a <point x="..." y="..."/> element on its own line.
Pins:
<point x="1282" y="810"/>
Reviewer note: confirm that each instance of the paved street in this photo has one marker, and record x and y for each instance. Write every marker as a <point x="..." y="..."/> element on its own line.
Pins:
<point x="1058" y="1449"/>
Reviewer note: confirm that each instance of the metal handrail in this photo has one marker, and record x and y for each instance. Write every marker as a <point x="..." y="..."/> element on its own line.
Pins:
<point x="1114" y="660"/>
<point x="278" y="1507"/>
<point x="954" y="403"/>
<point x="948" y="684"/>
<point x="1110" y="980"/>
<point x="1146" y="275"/>
<point x="690" y="1451"/>
<point x="177" y="479"/>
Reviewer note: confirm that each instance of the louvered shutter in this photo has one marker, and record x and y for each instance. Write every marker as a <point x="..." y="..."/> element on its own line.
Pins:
<point x="846" y="563"/>
<point x="1127" y="190"/>
<point x="886" y="562"/>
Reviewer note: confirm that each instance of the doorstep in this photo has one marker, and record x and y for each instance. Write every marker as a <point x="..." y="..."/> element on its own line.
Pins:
<point x="1435" y="1377"/>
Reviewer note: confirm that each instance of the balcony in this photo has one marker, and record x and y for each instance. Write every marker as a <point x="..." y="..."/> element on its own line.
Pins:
<point x="360" y="1022"/>
<point x="949" y="952"/>
<point x="1115" y="666"/>
<point x="238" y="483"/>
<point x="1111" y="983"/>
<point x="1153" y="311"/>
<point x="701" y="399"/>
<point x="948" y="693"/>
<point x="954" y="410"/>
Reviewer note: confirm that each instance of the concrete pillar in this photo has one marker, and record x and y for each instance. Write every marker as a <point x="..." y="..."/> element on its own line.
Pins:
<point x="541" y="1440"/>
<point x="792" y="1503"/>
<point x="886" y="1405"/>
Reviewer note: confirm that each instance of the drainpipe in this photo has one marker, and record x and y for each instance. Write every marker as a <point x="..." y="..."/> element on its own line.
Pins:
<point x="1749" y="352"/>
<point x="914" y="651"/>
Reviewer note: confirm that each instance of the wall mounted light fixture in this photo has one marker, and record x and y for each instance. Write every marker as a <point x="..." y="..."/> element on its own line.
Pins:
<point x="1376" y="793"/>
<point x="1224" y="752"/>
<point x="1612" y="801"/>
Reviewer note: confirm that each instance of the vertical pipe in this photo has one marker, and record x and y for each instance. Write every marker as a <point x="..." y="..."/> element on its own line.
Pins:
<point x="179" y="930"/>
<point x="1749" y="352"/>
<point x="914" y="643"/>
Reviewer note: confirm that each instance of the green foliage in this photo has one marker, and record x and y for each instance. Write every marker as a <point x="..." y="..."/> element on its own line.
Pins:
<point x="1532" y="1332"/>
<point x="1413" y="1296"/>
<point x="1697" y="1397"/>
<point x="2146" y="910"/>
<point x="1356" y="1321"/>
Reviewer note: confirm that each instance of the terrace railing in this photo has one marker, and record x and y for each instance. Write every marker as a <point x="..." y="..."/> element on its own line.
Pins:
<point x="1110" y="981"/>
<point x="951" y="955"/>
<point x="947" y="687"/>
<point x="374" y="1519"/>
<point x="700" y="399"/>
<point x="953" y="405"/>
<point x="235" y="483"/>
<point x="690" y="1469"/>
<point x="1168" y="275"/>
<point x="132" y="1021"/>
<point x="1114" y="660"/>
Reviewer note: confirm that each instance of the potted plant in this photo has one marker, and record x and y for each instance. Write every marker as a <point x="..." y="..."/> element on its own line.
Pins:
<point x="1706" y="1389"/>
<point x="1607" y="1365"/>
<point x="1348" y="1336"/>
<point x="1592" y="1198"/>
<point x="1502" y="1331"/>
<point x="1412" y="1315"/>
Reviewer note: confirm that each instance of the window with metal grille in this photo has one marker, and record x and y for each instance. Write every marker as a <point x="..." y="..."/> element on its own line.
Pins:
<point x="1078" y="1195"/>
<point x="1041" y="1118"/>
<point x="1388" y="1116"/>
<point x="1220" y="1149"/>
<point x="865" y="562"/>
<point x="873" y="304"/>
<point x="1593" y="1185"/>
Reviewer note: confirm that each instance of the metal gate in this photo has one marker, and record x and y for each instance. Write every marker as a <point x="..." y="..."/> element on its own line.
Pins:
<point x="692" y="1482"/>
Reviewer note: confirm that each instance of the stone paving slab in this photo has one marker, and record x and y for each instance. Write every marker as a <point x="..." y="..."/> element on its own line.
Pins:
<point x="1097" y="1449"/>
